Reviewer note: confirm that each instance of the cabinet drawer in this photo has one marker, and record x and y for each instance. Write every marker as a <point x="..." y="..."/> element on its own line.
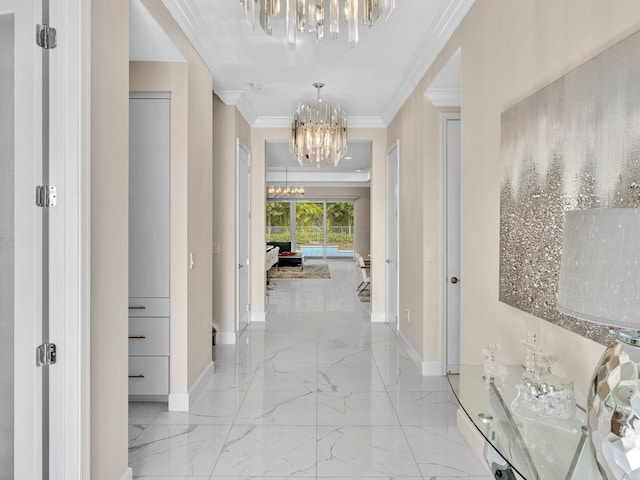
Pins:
<point x="149" y="307"/>
<point x="148" y="375"/>
<point x="149" y="336"/>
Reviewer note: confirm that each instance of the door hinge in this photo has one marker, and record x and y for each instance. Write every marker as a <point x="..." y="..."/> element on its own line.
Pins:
<point x="46" y="36"/>
<point x="46" y="196"/>
<point x="46" y="354"/>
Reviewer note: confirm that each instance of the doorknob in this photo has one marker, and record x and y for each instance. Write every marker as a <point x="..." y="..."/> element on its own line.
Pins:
<point x="389" y="260"/>
<point x="240" y="265"/>
<point x="454" y="280"/>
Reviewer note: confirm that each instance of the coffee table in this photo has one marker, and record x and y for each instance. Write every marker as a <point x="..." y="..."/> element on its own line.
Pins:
<point x="294" y="260"/>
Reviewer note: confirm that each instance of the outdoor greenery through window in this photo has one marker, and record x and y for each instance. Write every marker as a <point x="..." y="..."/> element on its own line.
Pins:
<point x="317" y="228"/>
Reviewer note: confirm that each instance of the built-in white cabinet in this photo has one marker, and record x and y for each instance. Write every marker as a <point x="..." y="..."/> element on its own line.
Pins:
<point x="149" y="243"/>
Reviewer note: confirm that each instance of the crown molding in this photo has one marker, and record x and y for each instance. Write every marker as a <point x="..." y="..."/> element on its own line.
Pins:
<point x="443" y="97"/>
<point x="272" y="122"/>
<point x="238" y="99"/>
<point x="451" y="16"/>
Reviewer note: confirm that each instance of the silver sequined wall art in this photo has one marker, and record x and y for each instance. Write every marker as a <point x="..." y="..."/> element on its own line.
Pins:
<point x="575" y="144"/>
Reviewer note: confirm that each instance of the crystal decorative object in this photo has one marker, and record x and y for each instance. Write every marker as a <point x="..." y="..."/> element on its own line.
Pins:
<point x="319" y="133"/>
<point x="493" y="371"/>
<point x="310" y="16"/>
<point x="543" y="396"/>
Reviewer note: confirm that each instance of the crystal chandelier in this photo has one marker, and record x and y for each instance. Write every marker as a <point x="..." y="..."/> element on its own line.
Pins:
<point x="286" y="191"/>
<point x="319" y="133"/>
<point x="310" y="16"/>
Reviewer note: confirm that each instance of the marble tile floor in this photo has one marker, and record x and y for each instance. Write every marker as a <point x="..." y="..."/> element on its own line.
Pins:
<point x="316" y="392"/>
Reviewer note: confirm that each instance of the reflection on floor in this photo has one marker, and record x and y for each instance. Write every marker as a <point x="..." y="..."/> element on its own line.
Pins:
<point x="315" y="392"/>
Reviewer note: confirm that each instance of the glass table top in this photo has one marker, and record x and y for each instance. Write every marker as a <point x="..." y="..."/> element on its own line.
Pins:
<point x="536" y="450"/>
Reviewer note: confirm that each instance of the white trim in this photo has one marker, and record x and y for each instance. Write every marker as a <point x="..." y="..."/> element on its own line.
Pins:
<point x="127" y="475"/>
<point x="443" y="97"/>
<point x="259" y="317"/>
<point x="378" y="317"/>
<point x="415" y="357"/>
<point x="178" y="402"/>
<point x="432" y="369"/>
<point x="228" y="338"/>
<point x="450" y="17"/>
<point x="198" y="386"/>
<point x="70" y="108"/>
<point x="274" y="121"/>
<point x="229" y="97"/>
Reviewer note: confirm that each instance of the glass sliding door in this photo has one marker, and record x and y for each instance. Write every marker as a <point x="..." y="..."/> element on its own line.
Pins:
<point x="310" y="232"/>
<point x="340" y="229"/>
<point x="278" y="219"/>
<point x="318" y="229"/>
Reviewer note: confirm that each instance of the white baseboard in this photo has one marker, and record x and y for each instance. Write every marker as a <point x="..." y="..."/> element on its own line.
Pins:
<point x="259" y="317"/>
<point x="432" y="369"/>
<point x="178" y="402"/>
<point x="198" y="386"/>
<point x="127" y="475"/>
<point x="225" y="338"/>
<point x="413" y="354"/>
<point x="378" y="317"/>
<point x="181" y="402"/>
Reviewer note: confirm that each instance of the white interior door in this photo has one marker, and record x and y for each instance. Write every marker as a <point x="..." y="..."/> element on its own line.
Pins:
<point x="451" y="151"/>
<point x="392" y="236"/>
<point x="21" y="243"/>
<point x="243" y="233"/>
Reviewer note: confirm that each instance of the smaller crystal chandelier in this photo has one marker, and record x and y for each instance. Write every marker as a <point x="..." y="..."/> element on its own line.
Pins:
<point x="286" y="191"/>
<point x="319" y="133"/>
<point x="310" y="16"/>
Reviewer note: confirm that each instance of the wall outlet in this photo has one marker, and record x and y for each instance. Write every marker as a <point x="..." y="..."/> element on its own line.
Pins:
<point x="216" y="248"/>
<point x="192" y="261"/>
<point x="408" y="315"/>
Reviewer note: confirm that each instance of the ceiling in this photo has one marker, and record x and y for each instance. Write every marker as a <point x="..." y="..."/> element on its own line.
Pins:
<point x="370" y="81"/>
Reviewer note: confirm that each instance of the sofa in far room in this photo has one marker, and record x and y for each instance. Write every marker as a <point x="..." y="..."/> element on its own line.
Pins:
<point x="283" y="246"/>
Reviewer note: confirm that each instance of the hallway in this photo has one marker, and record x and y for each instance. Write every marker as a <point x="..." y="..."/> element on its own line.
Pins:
<point x="315" y="392"/>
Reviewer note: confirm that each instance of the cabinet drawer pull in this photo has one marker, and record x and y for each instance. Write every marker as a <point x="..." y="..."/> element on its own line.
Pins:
<point x="137" y="307"/>
<point x="136" y="376"/>
<point x="138" y="337"/>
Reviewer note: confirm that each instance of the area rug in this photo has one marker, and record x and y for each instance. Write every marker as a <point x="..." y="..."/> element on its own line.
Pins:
<point x="312" y="270"/>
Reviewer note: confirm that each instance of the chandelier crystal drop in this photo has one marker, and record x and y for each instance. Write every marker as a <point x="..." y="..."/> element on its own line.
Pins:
<point x="311" y="16"/>
<point x="286" y="190"/>
<point x="319" y="133"/>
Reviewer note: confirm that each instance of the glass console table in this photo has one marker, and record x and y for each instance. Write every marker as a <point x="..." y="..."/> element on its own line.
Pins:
<point x="534" y="450"/>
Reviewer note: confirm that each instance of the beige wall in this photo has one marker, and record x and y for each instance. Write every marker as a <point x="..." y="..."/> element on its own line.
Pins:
<point x="228" y="127"/>
<point x="199" y="196"/>
<point x="173" y="78"/>
<point x="109" y="237"/>
<point x="509" y="51"/>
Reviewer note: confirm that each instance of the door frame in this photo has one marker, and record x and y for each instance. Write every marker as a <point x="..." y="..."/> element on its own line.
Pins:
<point x="240" y="145"/>
<point x="396" y="195"/>
<point x="70" y="264"/>
<point x="444" y="118"/>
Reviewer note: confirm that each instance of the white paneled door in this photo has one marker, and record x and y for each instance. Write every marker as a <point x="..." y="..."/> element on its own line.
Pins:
<point x="43" y="277"/>
<point x="244" y="237"/>
<point x="452" y="158"/>
<point x="21" y="242"/>
<point x="392" y="236"/>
